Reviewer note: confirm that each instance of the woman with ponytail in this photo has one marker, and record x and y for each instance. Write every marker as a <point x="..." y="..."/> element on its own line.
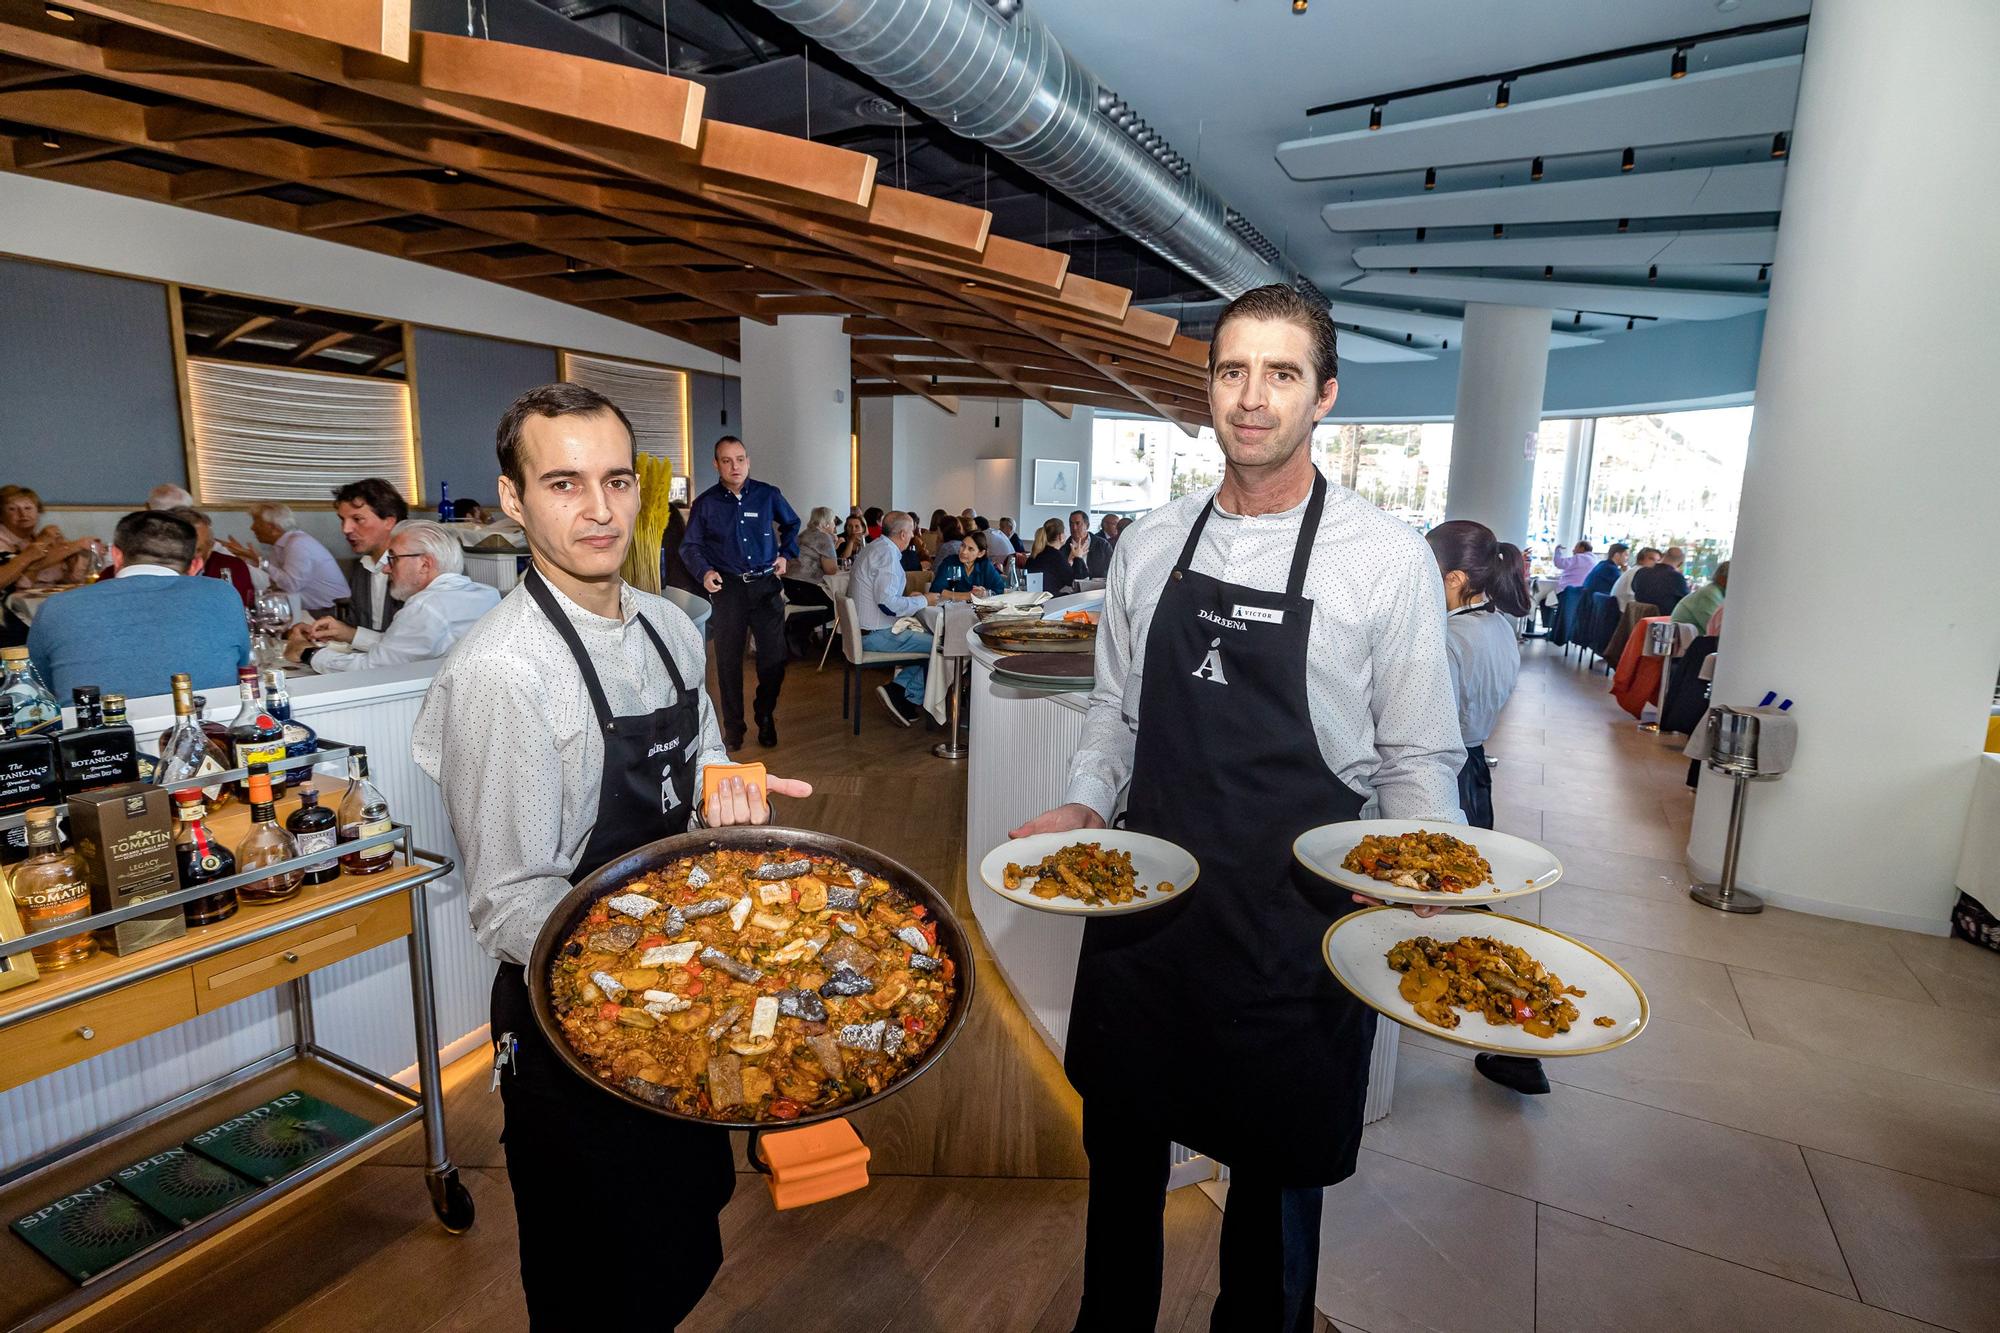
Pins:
<point x="1481" y="577"/>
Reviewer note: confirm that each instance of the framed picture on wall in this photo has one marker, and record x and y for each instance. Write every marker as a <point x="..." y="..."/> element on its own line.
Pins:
<point x="1057" y="482"/>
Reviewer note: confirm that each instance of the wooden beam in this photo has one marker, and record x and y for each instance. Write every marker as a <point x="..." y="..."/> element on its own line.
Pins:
<point x="908" y="383"/>
<point x="380" y="26"/>
<point x="318" y="345"/>
<point x="250" y="325"/>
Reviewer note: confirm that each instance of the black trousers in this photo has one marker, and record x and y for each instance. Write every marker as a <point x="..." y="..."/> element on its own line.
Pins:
<point x="756" y="610"/>
<point x="577" y="1158"/>
<point x="1475" y="788"/>
<point x="799" y="627"/>
<point x="1270" y="1241"/>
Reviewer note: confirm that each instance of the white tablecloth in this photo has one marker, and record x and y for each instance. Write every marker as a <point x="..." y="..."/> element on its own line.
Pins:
<point x="1979" y="858"/>
<point x="950" y="624"/>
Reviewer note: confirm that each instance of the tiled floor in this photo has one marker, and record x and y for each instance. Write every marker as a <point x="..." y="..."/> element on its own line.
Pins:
<point x="1807" y="1136"/>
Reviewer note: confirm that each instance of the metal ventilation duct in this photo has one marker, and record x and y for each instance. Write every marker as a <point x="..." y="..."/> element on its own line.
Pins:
<point x="1004" y="81"/>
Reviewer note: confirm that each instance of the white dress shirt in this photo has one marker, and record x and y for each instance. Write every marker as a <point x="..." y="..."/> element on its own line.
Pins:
<point x="298" y="563"/>
<point x="508" y="733"/>
<point x="1622" y="590"/>
<point x="427" y="626"/>
<point x="146" y="572"/>
<point x="1377" y="679"/>
<point x="877" y="584"/>
<point x="1485" y="663"/>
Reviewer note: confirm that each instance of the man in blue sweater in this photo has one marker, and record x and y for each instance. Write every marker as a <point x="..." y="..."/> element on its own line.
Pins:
<point x="130" y="633"/>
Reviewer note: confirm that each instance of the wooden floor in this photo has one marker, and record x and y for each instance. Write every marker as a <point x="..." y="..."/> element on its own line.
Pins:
<point x="975" y="1219"/>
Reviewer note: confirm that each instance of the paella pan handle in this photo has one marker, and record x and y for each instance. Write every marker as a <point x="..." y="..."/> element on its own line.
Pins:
<point x="810" y="1164"/>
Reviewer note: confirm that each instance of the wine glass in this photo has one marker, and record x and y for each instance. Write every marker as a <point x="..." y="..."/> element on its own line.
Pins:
<point x="271" y="616"/>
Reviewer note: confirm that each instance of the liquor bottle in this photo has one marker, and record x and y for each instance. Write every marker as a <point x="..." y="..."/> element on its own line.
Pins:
<point x="300" y="739"/>
<point x="35" y="706"/>
<point x="116" y="716"/>
<point x="255" y="737"/>
<point x="316" y="829"/>
<point x="265" y="845"/>
<point x="201" y="859"/>
<point x="188" y="750"/>
<point x="52" y="889"/>
<point x="95" y="753"/>
<point x="27" y="778"/>
<point x="445" y="510"/>
<point x="364" y="812"/>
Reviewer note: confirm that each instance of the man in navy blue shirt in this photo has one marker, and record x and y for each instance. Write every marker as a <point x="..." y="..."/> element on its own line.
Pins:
<point x="731" y="548"/>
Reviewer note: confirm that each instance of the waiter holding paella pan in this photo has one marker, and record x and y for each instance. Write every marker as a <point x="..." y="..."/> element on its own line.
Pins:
<point x="1271" y="658"/>
<point x="567" y="728"/>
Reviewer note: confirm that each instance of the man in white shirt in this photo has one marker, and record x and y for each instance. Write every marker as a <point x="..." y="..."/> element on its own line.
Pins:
<point x="297" y="562"/>
<point x="876" y="586"/>
<point x="426" y="569"/>
<point x="1622" y="590"/>
<point x="567" y="728"/>
<point x="1271" y="657"/>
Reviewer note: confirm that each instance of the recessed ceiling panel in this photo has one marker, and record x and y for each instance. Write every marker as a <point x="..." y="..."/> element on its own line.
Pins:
<point x="1649" y="301"/>
<point x="1737" y="100"/>
<point x="1611" y="250"/>
<point x="1424" y="325"/>
<point x="1360" y="347"/>
<point x="1746" y="187"/>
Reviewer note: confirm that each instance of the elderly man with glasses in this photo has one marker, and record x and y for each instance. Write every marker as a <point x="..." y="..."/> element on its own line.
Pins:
<point x="426" y="569"/>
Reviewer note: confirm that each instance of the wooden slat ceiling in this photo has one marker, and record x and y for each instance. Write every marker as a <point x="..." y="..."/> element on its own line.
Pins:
<point x="573" y="179"/>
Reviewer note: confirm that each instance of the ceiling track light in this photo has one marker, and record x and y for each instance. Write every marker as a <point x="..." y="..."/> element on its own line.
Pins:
<point x="1409" y="337"/>
<point x="1652" y="273"/>
<point x="1504" y="96"/>
<point x="1375" y="116"/>
<point x="1763" y="272"/>
<point x="50" y="140"/>
<point x="1624" y="225"/>
<point x="1781" y="143"/>
<point x="59" y="14"/>
<point x="1679" y="69"/>
<point x="1430" y="178"/>
<point x="1535" y="170"/>
<point x="1413" y="268"/>
<point x="1627" y="162"/>
<point x="1548" y="271"/>
<point x="1445" y="345"/>
<point x="1499" y="230"/>
<point x="1422" y="232"/>
<point x="1578" y="319"/>
<point x="1298" y="6"/>
<point x="1628" y="325"/>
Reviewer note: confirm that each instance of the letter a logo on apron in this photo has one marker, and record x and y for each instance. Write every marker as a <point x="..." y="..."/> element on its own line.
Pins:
<point x="1211" y="665"/>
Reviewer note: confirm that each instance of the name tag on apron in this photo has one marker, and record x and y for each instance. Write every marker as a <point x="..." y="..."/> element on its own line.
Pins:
<point x="1265" y="614"/>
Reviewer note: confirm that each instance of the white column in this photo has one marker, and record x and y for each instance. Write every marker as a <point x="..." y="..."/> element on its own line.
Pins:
<point x="1576" y="481"/>
<point x="1873" y="455"/>
<point x="797" y="408"/>
<point x="1501" y="374"/>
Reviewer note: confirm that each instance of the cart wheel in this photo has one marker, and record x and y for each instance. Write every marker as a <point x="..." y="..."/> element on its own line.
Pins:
<point x="451" y="1201"/>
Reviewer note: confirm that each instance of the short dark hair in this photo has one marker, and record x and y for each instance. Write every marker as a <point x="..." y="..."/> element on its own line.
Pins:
<point x="979" y="521"/>
<point x="154" y="537"/>
<point x="873" y="515"/>
<point x="377" y="494"/>
<point x="561" y="399"/>
<point x="721" y="440"/>
<point x="1617" y="548"/>
<point x="1278" y="301"/>
<point x="1078" y="513"/>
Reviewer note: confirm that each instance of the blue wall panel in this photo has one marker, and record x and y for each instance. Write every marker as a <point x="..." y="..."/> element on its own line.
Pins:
<point x="464" y="383"/>
<point x="87" y="373"/>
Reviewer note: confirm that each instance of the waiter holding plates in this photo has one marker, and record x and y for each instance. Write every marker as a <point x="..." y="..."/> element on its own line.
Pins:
<point x="568" y="727"/>
<point x="1271" y="657"/>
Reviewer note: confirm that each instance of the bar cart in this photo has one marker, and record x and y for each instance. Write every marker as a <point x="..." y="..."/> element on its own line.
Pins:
<point x="110" y="1000"/>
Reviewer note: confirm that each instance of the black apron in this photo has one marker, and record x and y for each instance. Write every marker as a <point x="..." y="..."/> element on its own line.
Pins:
<point x="1475" y="776"/>
<point x="573" y="1152"/>
<point x="1214" y="1018"/>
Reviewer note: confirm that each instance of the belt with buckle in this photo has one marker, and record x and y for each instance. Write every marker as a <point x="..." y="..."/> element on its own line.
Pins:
<point x="757" y="574"/>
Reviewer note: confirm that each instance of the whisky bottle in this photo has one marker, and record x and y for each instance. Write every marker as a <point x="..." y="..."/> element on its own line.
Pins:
<point x="364" y="812"/>
<point x="200" y="860"/>
<point x="316" y="829"/>
<point x="266" y="844"/>
<point x="52" y="889"/>
<point x="27" y="778"/>
<point x="95" y="753"/>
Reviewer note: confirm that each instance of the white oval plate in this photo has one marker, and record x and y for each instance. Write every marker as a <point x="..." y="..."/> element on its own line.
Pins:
<point x="1153" y="860"/>
<point x="1520" y="867"/>
<point x="1357" y="947"/>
